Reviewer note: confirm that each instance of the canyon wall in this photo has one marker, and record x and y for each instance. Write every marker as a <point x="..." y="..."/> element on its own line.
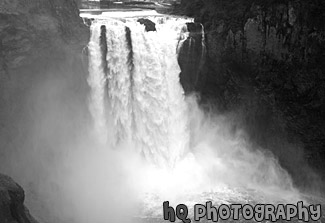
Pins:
<point x="41" y="63"/>
<point x="265" y="62"/>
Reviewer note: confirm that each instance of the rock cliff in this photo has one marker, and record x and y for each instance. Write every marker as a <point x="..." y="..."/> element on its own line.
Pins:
<point x="38" y="40"/>
<point x="41" y="62"/>
<point x="265" y="60"/>
<point x="33" y="29"/>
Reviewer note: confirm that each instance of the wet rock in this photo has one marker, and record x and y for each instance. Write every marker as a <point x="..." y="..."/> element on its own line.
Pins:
<point x="292" y="15"/>
<point x="149" y="25"/>
<point x="191" y="56"/>
<point x="194" y="27"/>
<point x="254" y="37"/>
<point x="12" y="208"/>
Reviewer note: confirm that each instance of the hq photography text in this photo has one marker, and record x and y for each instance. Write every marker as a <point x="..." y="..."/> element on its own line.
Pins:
<point x="258" y="212"/>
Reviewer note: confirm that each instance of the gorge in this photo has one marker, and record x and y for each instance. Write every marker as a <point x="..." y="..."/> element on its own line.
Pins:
<point x="188" y="111"/>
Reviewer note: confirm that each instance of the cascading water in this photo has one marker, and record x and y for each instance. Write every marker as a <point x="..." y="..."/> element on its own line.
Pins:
<point x="137" y="101"/>
<point x="138" y="94"/>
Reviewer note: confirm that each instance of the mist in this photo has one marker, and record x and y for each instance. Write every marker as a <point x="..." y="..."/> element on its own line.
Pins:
<point x="71" y="176"/>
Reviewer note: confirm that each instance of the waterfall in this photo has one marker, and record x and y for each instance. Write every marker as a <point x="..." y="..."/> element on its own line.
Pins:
<point x="136" y="96"/>
<point x="137" y="101"/>
<point x="97" y="82"/>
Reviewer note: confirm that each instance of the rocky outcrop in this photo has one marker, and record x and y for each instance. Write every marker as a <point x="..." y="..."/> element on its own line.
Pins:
<point x="149" y="25"/>
<point x="264" y="60"/>
<point x="191" y="55"/>
<point x="12" y="208"/>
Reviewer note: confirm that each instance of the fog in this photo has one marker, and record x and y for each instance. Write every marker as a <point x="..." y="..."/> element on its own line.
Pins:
<point x="70" y="176"/>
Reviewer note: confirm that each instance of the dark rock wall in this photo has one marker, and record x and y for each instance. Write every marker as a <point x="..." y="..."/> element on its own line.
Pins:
<point x="191" y="56"/>
<point x="265" y="60"/>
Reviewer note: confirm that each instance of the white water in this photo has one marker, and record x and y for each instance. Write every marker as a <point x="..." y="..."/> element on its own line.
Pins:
<point x="141" y="105"/>
<point x="144" y="105"/>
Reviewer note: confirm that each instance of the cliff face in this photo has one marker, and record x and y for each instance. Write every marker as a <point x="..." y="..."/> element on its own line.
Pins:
<point x="34" y="29"/>
<point x="265" y="59"/>
<point x="38" y="40"/>
<point x="42" y="69"/>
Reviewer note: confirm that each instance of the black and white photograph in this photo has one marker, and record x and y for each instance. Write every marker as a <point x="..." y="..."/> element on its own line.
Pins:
<point x="160" y="111"/>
